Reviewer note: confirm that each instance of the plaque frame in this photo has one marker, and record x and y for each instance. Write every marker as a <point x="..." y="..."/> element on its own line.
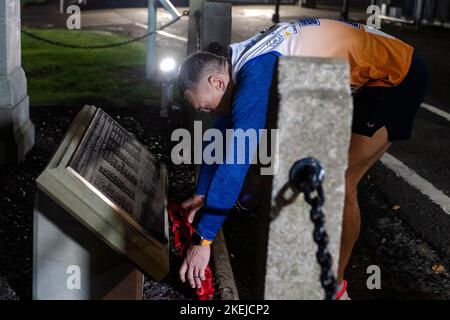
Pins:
<point x="119" y="231"/>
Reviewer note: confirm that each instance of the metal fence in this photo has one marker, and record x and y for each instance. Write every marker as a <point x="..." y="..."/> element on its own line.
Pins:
<point x="436" y="12"/>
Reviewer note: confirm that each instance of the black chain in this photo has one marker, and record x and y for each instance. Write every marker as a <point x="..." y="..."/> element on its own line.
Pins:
<point x="320" y="237"/>
<point x="104" y="46"/>
<point x="198" y="43"/>
<point x="306" y="176"/>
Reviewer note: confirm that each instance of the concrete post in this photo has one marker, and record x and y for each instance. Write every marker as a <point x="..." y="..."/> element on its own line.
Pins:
<point x="16" y="129"/>
<point x="214" y="23"/>
<point x="314" y="120"/>
<point x="211" y="21"/>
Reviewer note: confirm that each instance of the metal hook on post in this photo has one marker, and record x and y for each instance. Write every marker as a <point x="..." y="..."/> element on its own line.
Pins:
<point x="306" y="176"/>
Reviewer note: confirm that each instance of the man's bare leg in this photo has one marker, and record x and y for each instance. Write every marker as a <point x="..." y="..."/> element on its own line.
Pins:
<point x="363" y="153"/>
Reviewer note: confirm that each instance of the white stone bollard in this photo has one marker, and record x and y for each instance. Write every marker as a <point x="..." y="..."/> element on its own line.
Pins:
<point x="16" y="129"/>
<point x="314" y="119"/>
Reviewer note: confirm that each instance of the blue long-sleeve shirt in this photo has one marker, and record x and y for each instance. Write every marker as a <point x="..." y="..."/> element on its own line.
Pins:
<point x="222" y="183"/>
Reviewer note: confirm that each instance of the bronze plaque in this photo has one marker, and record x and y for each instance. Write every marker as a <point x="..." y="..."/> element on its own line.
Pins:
<point x="122" y="172"/>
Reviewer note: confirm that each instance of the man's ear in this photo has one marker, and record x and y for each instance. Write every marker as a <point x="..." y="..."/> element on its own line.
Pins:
<point x="217" y="82"/>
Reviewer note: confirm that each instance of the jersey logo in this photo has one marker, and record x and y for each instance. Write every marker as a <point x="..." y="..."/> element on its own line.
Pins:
<point x="308" y="22"/>
<point x="275" y="41"/>
<point x="294" y="28"/>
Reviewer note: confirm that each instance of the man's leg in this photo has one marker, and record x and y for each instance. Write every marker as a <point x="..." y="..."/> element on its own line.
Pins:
<point x="364" y="152"/>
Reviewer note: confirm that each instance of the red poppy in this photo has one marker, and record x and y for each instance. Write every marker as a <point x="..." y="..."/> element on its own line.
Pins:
<point x="182" y="232"/>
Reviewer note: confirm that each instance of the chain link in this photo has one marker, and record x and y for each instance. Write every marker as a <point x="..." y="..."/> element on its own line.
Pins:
<point x="306" y="176"/>
<point x="104" y="46"/>
<point x="320" y="237"/>
<point x="198" y="43"/>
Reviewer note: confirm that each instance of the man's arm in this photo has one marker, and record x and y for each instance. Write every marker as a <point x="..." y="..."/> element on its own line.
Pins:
<point x="250" y="106"/>
<point x="207" y="170"/>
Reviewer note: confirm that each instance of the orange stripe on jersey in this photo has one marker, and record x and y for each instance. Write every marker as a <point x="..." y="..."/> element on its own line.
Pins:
<point x="376" y="58"/>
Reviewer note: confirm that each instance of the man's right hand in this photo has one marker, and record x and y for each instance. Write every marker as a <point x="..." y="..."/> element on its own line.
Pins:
<point x="193" y="204"/>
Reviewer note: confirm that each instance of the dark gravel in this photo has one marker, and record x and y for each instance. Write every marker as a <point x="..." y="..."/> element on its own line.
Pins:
<point x="6" y="293"/>
<point x="405" y="260"/>
<point x="17" y="189"/>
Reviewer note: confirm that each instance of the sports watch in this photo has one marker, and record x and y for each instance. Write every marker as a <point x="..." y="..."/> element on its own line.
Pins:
<point x="198" y="240"/>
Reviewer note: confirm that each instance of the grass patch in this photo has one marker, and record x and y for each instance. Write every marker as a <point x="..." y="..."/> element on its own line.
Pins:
<point x="58" y="75"/>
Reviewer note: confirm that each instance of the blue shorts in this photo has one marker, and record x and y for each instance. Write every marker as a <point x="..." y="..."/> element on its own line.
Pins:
<point x="392" y="107"/>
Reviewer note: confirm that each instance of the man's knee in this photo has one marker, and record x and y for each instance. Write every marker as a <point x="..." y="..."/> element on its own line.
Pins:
<point x="356" y="171"/>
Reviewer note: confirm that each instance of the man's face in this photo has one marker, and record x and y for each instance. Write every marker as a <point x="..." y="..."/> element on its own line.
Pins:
<point x="209" y="96"/>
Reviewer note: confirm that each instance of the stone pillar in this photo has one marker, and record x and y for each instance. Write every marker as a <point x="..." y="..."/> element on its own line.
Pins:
<point x="314" y="120"/>
<point x="16" y="129"/>
<point x="212" y="20"/>
<point x="214" y="24"/>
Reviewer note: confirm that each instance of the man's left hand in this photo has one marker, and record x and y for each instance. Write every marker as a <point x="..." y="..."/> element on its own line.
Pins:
<point x="194" y="265"/>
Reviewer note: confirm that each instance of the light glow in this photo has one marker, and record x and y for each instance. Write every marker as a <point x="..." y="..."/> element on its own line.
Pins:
<point x="167" y="65"/>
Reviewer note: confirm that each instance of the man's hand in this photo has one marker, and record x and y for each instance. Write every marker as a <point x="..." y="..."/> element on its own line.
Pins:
<point x="193" y="204"/>
<point x="194" y="265"/>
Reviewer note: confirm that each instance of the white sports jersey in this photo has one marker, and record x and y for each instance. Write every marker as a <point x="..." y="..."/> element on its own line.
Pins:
<point x="375" y="58"/>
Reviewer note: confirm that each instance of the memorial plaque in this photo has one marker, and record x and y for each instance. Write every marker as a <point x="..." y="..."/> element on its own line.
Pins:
<point x="99" y="213"/>
<point x="122" y="172"/>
